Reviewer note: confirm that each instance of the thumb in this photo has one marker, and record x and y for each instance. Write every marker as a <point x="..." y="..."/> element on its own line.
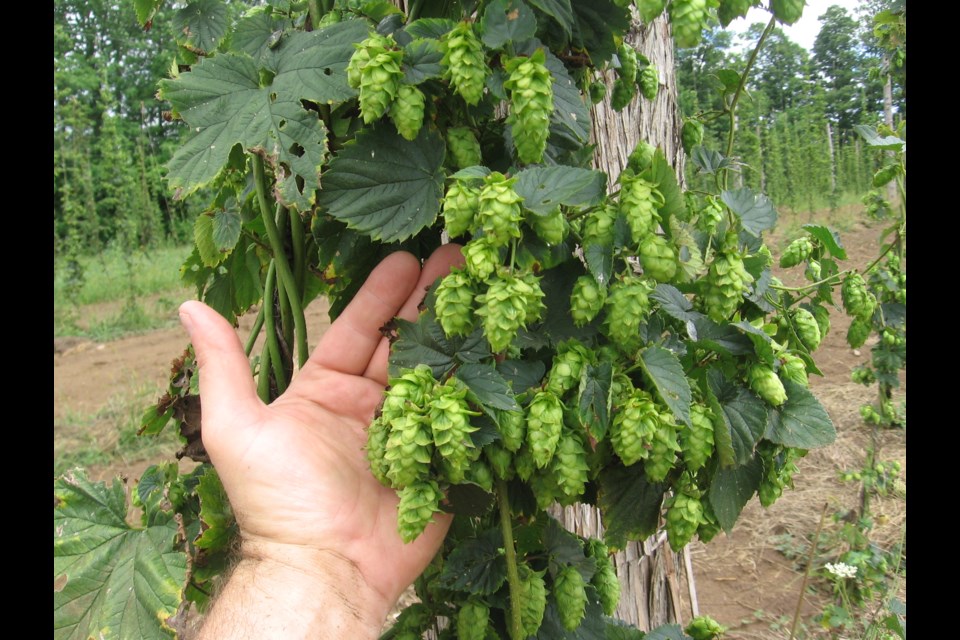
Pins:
<point x="226" y="384"/>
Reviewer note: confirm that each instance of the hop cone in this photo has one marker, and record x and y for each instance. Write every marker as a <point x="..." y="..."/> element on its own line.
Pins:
<point x="449" y="419"/>
<point x="688" y="18"/>
<point x="663" y="450"/>
<point x="379" y="84"/>
<point x="377" y="436"/>
<point x="634" y="426"/>
<point x="570" y="467"/>
<point x="551" y="228"/>
<point x="627" y="307"/>
<point x="639" y="203"/>
<point x="464" y="63"/>
<point x="808" y="330"/>
<point x="697" y="438"/>
<point x="482" y="256"/>
<point x="622" y="94"/>
<point x="683" y="519"/>
<point x="499" y="212"/>
<point x="691" y="134"/>
<point x="455" y="296"/>
<point x="418" y="502"/>
<point x="531" y="103"/>
<point x="407" y="111"/>
<point x="460" y="208"/>
<point x="501" y="462"/>
<point x="727" y="281"/>
<point x="858" y="333"/>
<point x="409" y="449"/>
<point x="704" y="628"/>
<point x="605" y="577"/>
<point x="796" y="252"/>
<point x="586" y="300"/>
<point x="768" y="386"/>
<point x="598" y="227"/>
<point x="567" y="367"/>
<point x="365" y="51"/>
<point x="628" y="62"/>
<point x="857" y="300"/>
<point x="533" y="600"/>
<point x="408" y="393"/>
<point x="793" y="368"/>
<point x="658" y="258"/>
<point x="642" y="156"/>
<point x="649" y="81"/>
<point x="569" y="589"/>
<point x="513" y="429"/>
<point x="472" y="620"/>
<point x="544" y="425"/>
<point x="508" y="304"/>
<point x="463" y="146"/>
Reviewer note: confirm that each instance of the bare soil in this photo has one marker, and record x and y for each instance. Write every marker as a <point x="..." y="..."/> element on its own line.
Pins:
<point x="741" y="579"/>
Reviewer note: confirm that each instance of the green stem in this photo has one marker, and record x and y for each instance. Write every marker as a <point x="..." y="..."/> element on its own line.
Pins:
<point x="280" y="257"/>
<point x="513" y="575"/>
<point x="254" y="332"/>
<point x="296" y="237"/>
<point x="813" y="285"/>
<point x="806" y="575"/>
<point x="732" y="109"/>
<point x="313" y="7"/>
<point x="263" y="380"/>
<point x="276" y="361"/>
<point x="414" y="11"/>
<point x="285" y="340"/>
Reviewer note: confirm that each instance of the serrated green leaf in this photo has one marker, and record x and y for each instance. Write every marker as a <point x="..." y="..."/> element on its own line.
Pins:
<point x="665" y="177"/>
<point x="744" y="414"/>
<point x="206" y="245"/>
<point x="718" y="337"/>
<point x="201" y="24"/>
<point x="385" y="186"/>
<point x="256" y="35"/>
<point x="731" y="489"/>
<point x="595" y="398"/>
<point x="247" y="286"/>
<point x="801" y="421"/>
<point x="729" y="78"/>
<point x="543" y="189"/>
<point x="146" y="9"/>
<point x="152" y="422"/>
<point x="468" y="499"/>
<point x="433" y="28"/>
<point x="507" y="21"/>
<point x="226" y="229"/>
<point x="557" y="285"/>
<point x="761" y="288"/>
<point x="111" y="580"/>
<point x="476" y="172"/>
<point x="755" y="210"/>
<point x="708" y="161"/>
<point x="829" y="238"/>
<point x="477" y="565"/>
<point x="421" y="60"/>
<point x="564" y="548"/>
<point x="600" y="262"/>
<point x="313" y="65"/>
<point x="571" y="114"/>
<point x="416" y="344"/>
<point x="674" y="303"/>
<point x="591" y="627"/>
<point x="620" y="630"/>
<point x="488" y="386"/>
<point x="666" y="372"/>
<point x="522" y="374"/>
<point x="667" y="632"/>
<point x="873" y="139"/>
<point x="630" y="504"/>
<point x="761" y="341"/>
<point x="559" y="10"/>
<point x="724" y="444"/>
<point x="596" y="23"/>
<point x="216" y="517"/>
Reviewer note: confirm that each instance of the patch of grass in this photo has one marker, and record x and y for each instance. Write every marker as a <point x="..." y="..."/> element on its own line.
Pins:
<point x="116" y="274"/>
<point x="108" y="435"/>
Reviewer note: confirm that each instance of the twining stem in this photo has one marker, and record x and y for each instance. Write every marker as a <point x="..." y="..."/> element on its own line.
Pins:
<point x="415" y="10"/>
<point x="254" y="331"/>
<point x="299" y="261"/>
<point x="313" y="7"/>
<point x="513" y="576"/>
<point x="732" y="109"/>
<point x="276" y="362"/>
<point x="280" y="257"/>
<point x="806" y="575"/>
<point x="263" y="381"/>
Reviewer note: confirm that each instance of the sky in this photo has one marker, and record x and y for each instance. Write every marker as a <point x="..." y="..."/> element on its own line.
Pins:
<point x="805" y="30"/>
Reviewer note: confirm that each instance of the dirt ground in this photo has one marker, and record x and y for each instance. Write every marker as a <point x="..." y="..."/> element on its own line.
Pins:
<point x="742" y="579"/>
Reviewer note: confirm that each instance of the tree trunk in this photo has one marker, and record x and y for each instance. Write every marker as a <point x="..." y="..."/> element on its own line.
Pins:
<point x="833" y="164"/>
<point x="649" y="571"/>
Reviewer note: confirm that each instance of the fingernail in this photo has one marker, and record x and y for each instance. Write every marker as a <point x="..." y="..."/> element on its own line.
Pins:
<point x="186" y="321"/>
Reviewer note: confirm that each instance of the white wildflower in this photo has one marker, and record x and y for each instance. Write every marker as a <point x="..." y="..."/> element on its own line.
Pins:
<point x="842" y="570"/>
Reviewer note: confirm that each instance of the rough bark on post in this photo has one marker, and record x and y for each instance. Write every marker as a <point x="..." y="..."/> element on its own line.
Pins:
<point x="649" y="571"/>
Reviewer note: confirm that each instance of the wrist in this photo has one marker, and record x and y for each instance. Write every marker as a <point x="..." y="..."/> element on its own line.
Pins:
<point x="289" y="591"/>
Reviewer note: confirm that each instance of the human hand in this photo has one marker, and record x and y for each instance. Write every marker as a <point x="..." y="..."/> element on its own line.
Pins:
<point x="296" y="471"/>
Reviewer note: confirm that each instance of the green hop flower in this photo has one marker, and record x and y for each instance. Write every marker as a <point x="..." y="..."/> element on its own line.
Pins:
<point x="622" y="94"/>
<point x="501" y="461"/>
<point x="509" y="303"/>
<point x="658" y="258"/>
<point x="605" y="577"/>
<point x="598" y="226"/>
<point x="460" y="208"/>
<point x="365" y="51"/>
<point x="524" y="464"/>
<point x="379" y="84"/>
<point x="500" y="213"/>
<point x="793" y="368"/>
<point x="885" y="175"/>
<point x="463" y="147"/>
<point x="628" y="62"/>
<point x="705" y="627"/>
<point x="710" y="215"/>
<point x="730" y="10"/>
<point x="418" y="502"/>
<point x="449" y="419"/>
<point x="787" y="11"/>
<point x="513" y="428"/>
<point x="684" y="515"/>
<point x="480" y="474"/>
<point x="586" y="300"/>
<point x="597" y="91"/>
<point x="796" y="252"/>
<point x="650" y="9"/>
<point x="634" y="427"/>
<point x="697" y="438"/>
<point x="858" y="333"/>
<point x="691" y="134"/>
<point x="482" y="256"/>
<point x="377" y="436"/>
<point x="627" y="308"/>
<point x="765" y="382"/>
<point x="544" y="426"/>
<point x="551" y="228"/>
<point x="533" y="599"/>
<point x="663" y="450"/>
<point x="530" y="86"/>
<point x="709" y="526"/>
<point x="407" y="111"/>
<point x="408" y="393"/>
<point x="649" y="81"/>
<point x="409" y="450"/>
<point x="455" y="296"/>
<point x="808" y="330"/>
<point x="464" y="64"/>
<point x="472" y="620"/>
<point x="812" y="271"/>
<point x="567" y="366"/>
<point x="778" y="470"/>
<point x="569" y="589"/>
<point x="857" y="300"/>
<point x="822" y="316"/>
<point x="727" y="281"/>
<point x="640" y="201"/>
<point x="687" y="19"/>
<point x="569" y="466"/>
<point x="642" y="156"/>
